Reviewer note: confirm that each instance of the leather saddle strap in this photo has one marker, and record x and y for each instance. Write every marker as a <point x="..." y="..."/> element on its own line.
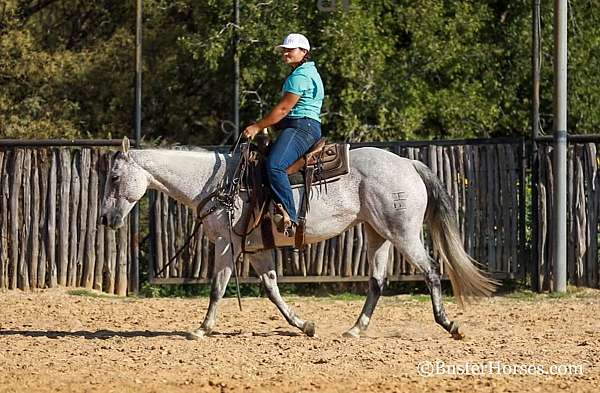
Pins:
<point x="266" y="231"/>
<point x="255" y="216"/>
<point x="300" y="230"/>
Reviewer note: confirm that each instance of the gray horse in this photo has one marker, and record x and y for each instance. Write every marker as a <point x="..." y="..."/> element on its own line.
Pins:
<point x="391" y="195"/>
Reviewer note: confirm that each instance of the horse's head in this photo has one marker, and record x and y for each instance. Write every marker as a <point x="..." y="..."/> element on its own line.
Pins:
<point x="126" y="183"/>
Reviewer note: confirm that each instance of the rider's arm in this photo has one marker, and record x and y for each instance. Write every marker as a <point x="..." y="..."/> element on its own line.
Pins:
<point x="277" y="113"/>
<point x="280" y="111"/>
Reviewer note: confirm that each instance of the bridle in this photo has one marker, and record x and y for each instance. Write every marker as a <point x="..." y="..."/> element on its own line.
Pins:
<point x="224" y="196"/>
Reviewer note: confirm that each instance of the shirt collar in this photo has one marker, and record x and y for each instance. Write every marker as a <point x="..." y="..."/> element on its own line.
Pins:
<point x="305" y="65"/>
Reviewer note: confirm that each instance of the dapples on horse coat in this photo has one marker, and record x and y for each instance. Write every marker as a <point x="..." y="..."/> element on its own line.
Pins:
<point x="392" y="195"/>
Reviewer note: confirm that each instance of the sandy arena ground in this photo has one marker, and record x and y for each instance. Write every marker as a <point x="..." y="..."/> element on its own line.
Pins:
<point x="53" y="341"/>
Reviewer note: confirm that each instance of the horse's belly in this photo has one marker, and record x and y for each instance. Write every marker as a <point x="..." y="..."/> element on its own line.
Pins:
<point x="332" y="212"/>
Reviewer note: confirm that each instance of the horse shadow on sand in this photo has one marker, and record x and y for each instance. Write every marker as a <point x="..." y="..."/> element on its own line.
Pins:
<point x="104" y="334"/>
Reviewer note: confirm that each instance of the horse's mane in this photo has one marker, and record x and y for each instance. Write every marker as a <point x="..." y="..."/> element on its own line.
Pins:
<point x="188" y="148"/>
<point x="199" y="149"/>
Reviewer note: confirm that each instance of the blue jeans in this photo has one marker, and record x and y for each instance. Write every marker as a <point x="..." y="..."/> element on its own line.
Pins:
<point x="296" y="138"/>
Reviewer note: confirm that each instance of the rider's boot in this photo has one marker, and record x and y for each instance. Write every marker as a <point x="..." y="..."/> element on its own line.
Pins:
<point x="283" y="222"/>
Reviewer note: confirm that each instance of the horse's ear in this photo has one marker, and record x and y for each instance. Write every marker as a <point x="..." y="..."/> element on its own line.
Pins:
<point x="125" y="145"/>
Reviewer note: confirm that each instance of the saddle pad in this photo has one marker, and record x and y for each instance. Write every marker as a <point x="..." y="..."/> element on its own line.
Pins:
<point x="334" y="162"/>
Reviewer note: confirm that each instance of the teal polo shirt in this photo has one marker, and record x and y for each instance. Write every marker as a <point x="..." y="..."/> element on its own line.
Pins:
<point x="305" y="82"/>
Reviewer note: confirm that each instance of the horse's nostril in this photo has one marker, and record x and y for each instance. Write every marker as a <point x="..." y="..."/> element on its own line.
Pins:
<point x="103" y="220"/>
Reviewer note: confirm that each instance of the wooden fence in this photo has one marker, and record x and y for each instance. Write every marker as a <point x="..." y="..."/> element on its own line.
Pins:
<point x="485" y="180"/>
<point x="49" y="231"/>
<point x="583" y="207"/>
<point x="50" y="236"/>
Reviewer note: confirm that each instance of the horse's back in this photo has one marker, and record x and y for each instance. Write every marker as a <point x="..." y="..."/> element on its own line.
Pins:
<point x="372" y="162"/>
<point x="389" y="185"/>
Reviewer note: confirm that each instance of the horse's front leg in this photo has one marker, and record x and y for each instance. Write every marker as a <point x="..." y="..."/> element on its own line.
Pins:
<point x="220" y="278"/>
<point x="262" y="262"/>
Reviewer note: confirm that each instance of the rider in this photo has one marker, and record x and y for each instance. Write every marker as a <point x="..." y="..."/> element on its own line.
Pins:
<point x="297" y="115"/>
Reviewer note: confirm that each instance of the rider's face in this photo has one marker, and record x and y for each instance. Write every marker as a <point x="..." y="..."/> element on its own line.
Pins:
<point x="293" y="56"/>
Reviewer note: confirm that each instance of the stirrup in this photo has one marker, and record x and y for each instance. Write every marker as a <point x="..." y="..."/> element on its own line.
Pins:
<point x="283" y="222"/>
<point x="290" y="231"/>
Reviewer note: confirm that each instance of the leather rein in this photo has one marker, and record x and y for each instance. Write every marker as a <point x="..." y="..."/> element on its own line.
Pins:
<point x="225" y="195"/>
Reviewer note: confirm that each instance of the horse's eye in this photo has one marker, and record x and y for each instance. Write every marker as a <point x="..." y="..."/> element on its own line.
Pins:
<point x="114" y="178"/>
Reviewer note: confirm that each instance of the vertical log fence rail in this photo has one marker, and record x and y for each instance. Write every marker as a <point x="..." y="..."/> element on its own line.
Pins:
<point x="50" y="193"/>
<point x="485" y="178"/>
<point x="50" y="198"/>
<point x="583" y="208"/>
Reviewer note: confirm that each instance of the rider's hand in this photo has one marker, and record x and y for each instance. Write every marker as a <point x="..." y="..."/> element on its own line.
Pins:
<point x="251" y="131"/>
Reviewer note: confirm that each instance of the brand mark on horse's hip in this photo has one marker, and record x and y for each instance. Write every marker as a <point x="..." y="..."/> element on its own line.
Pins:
<point x="398" y="199"/>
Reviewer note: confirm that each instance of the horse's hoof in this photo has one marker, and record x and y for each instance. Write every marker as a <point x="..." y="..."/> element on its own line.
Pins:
<point x="309" y="328"/>
<point x="198" y="334"/>
<point x="352" y="333"/>
<point x="455" y="332"/>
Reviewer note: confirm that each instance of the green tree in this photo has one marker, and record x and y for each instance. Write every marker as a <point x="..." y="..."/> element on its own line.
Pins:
<point x="393" y="69"/>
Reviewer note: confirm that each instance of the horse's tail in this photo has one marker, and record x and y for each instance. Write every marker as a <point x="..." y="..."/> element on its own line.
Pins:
<point x="467" y="278"/>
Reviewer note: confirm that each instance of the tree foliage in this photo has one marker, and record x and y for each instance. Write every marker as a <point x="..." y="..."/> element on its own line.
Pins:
<point x="393" y="69"/>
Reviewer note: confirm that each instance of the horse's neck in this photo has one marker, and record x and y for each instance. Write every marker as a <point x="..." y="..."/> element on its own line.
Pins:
<point x="188" y="176"/>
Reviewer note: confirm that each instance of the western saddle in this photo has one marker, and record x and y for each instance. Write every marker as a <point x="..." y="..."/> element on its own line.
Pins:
<point x="322" y="164"/>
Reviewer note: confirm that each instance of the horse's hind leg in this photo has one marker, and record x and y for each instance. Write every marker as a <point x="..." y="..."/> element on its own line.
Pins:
<point x="262" y="263"/>
<point x="430" y="268"/>
<point x="377" y="254"/>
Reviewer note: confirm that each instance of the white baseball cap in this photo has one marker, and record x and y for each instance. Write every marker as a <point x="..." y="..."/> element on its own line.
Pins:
<point x="294" y="40"/>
